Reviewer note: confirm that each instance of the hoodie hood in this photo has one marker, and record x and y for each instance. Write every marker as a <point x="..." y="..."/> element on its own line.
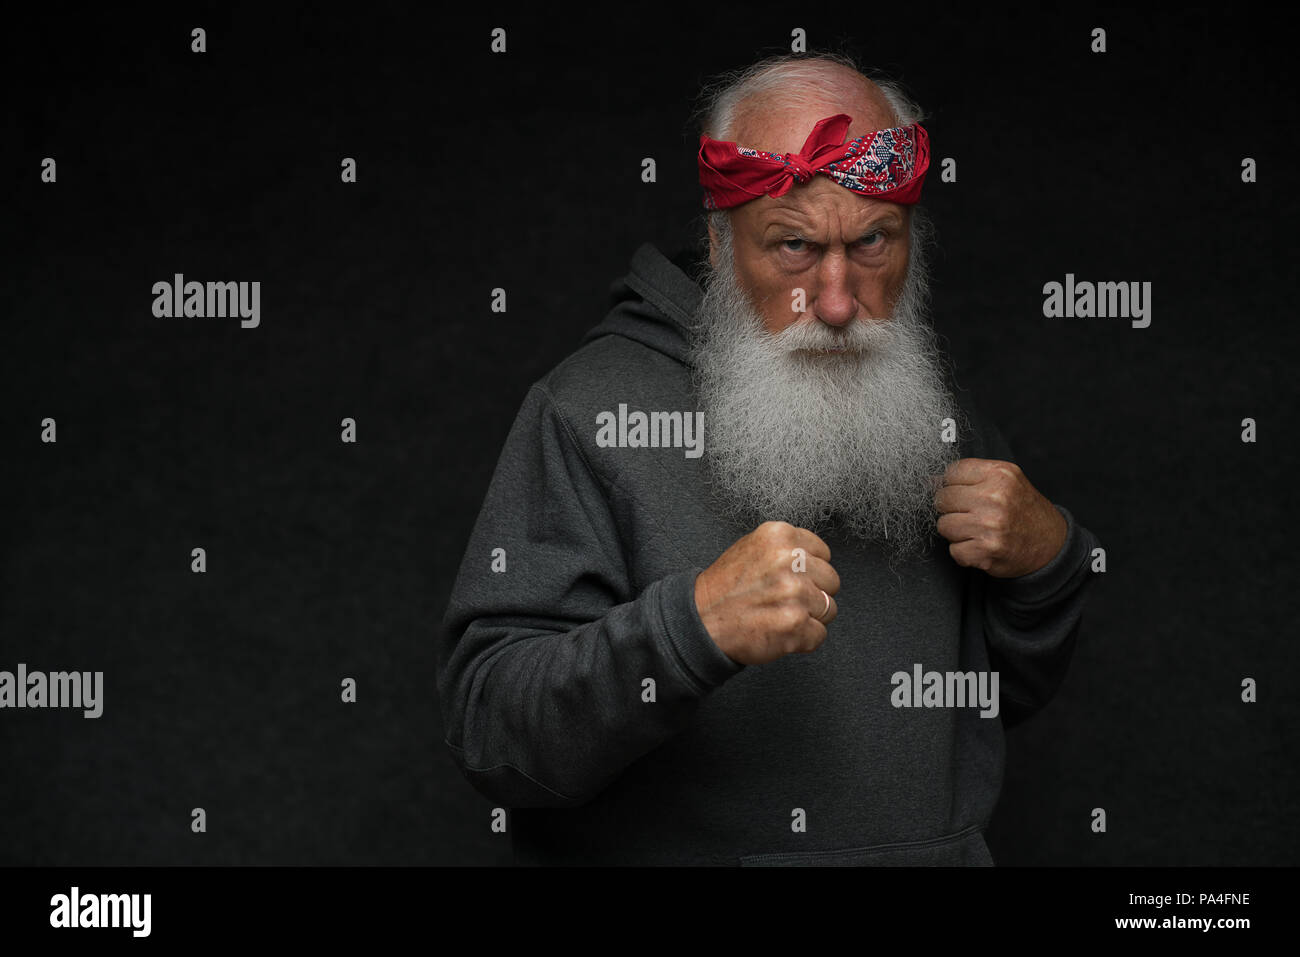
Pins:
<point x="654" y="304"/>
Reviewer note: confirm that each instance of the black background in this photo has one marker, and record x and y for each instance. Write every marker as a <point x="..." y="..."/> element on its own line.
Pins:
<point x="522" y="171"/>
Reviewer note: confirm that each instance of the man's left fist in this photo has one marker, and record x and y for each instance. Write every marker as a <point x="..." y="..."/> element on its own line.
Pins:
<point x="996" y="521"/>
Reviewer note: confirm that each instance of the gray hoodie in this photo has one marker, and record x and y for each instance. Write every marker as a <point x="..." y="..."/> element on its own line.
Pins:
<point x="581" y="691"/>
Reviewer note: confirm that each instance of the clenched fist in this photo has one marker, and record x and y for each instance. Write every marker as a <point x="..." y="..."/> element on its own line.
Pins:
<point x="769" y="594"/>
<point x="996" y="521"/>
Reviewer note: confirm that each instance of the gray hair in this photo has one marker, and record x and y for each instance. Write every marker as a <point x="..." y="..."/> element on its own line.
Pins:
<point x="800" y="77"/>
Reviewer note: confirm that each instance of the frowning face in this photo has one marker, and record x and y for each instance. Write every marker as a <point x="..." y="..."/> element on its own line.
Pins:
<point x="834" y="254"/>
<point x="820" y="253"/>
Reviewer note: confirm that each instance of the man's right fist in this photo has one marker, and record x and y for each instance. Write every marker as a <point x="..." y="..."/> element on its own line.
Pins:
<point x="769" y="594"/>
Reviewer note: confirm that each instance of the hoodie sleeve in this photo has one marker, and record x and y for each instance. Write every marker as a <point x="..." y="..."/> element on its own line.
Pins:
<point x="1031" y="622"/>
<point x="545" y="653"/>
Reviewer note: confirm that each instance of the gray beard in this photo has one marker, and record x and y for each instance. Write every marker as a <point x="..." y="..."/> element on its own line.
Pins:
<point x="853" y="437"/>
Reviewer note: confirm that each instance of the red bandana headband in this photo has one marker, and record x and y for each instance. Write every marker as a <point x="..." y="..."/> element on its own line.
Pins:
<point x="886" y="164"/>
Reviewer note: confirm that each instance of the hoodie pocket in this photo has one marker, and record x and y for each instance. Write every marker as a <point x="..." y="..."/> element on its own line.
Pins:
<point x="965" y="848"/>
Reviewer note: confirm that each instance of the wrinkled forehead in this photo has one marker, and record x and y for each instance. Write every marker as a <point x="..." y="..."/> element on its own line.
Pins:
<point x="823" y="203"/>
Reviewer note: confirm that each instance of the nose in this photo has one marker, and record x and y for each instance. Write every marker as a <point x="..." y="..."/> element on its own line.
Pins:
<point x="834" y="304"/>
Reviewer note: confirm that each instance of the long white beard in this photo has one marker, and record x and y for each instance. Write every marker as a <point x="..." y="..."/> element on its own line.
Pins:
<point x="803" y="438"/>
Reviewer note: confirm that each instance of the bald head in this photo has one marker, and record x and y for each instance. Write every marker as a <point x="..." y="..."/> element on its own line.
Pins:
<point x="779" y="115"/>
<point x="788" y="84"/>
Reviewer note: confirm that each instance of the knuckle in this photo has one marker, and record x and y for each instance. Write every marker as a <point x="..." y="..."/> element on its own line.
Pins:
<point x="788" y="646"/>
<point x="791" y="587"/>
<point x="994" y="522"/>
<point x="792" y="618"/>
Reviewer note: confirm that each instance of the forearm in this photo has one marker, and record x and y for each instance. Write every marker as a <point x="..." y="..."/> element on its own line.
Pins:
<point x="1031" y="622"/>
<point x="538" y="717"/>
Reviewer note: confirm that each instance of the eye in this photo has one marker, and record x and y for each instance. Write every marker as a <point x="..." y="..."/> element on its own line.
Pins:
<point x="795" y="245"/>
<point x="872" y="239"/>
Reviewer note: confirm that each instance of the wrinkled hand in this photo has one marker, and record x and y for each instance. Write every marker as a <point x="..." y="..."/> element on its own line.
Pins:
<point x="996" y="520"/>
<point x="763" y="598"/>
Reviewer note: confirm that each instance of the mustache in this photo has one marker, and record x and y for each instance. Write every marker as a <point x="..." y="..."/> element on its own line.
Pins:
<point x="857" y="336"/>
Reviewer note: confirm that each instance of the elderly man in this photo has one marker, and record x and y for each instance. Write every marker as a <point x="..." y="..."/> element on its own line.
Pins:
<point x="752" y="584"/>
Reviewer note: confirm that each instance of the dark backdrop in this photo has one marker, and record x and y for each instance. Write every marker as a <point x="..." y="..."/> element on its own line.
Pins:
<point x="522" y="171"/>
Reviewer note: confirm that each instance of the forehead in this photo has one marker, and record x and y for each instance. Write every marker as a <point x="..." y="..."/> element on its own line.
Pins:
<point x="820" y="203"/>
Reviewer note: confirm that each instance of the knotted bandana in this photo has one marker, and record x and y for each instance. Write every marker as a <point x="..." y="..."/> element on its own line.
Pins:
<point x="885" y="164"/>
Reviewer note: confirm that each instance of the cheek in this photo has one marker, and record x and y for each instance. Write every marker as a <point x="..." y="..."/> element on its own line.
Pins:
<point x="780" y="304"/>
<point x="887" y="284"/>
<point x="770" y="295"/>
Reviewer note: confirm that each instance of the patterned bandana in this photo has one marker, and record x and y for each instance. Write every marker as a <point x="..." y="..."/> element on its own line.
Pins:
<point x="886" y="164"/>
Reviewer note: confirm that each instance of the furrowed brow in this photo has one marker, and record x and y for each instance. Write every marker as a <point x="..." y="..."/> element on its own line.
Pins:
<point x="887" y="221"/>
